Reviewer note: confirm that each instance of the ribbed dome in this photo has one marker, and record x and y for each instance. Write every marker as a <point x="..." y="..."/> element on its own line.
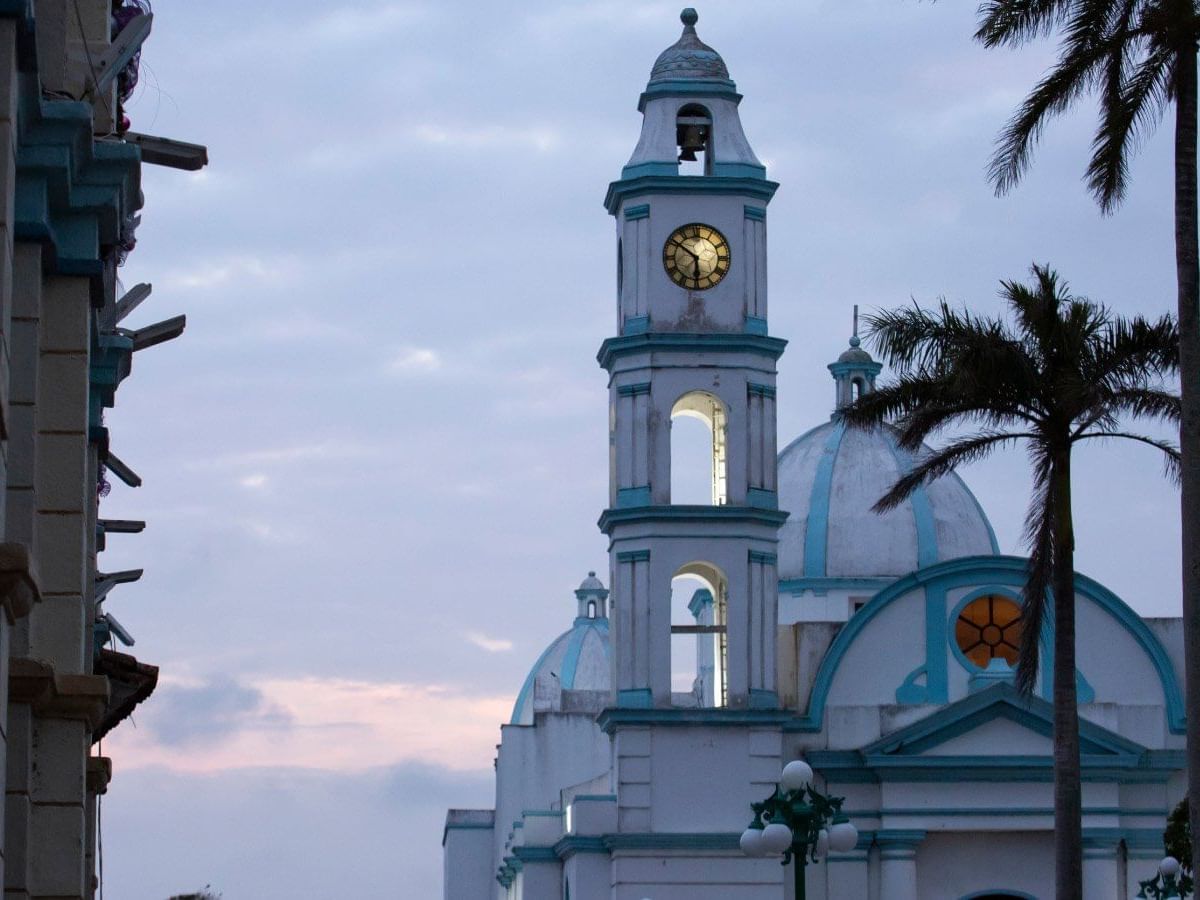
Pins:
<point x="689" y="57"/>
<point x="577" y="660"/>
<point x="828" y="481"/>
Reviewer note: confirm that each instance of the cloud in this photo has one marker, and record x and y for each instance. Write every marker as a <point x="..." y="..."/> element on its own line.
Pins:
<point x="209" y="712"/>
<point x="415" y="360"/>
<point x="317" y="723"/>
<point x="491" y="645"/>
<point x="253" y="482"/>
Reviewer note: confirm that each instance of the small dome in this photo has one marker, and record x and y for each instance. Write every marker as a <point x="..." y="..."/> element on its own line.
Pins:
<point x="828" y="481"/>
<point x="577" y="660"/>
<point x="591" y="583"/>
<point x="689" y="57"/>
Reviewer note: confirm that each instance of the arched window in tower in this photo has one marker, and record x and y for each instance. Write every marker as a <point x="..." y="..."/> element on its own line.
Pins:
<point x="699" y="600"/>
<point x="856" y="388"/>
<point x="693" y="131"/>
<point x="591" y="609"/>
<point x="699" y="436"/>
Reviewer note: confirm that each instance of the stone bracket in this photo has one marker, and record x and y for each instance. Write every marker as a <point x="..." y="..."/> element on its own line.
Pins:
<point x="18" y="581"/>
<point x="53" y="696"/>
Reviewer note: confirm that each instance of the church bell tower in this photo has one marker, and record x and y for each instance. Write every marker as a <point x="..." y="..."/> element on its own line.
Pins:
<point x="692" y="341"/>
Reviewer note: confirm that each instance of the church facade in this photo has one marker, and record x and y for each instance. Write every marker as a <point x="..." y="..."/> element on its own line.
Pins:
<point x="878" y="647"/>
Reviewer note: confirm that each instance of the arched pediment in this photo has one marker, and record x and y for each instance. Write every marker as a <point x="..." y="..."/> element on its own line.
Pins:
<point x="912" y="621"/>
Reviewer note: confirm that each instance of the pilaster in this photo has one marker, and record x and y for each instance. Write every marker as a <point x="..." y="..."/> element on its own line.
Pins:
<point x="898" y="863"/>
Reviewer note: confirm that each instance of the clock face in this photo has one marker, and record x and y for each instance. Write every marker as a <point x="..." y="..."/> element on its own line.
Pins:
<point x="696" y="256"/>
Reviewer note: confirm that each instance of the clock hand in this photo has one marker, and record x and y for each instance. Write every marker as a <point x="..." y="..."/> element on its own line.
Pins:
<point x="695" y="266"/>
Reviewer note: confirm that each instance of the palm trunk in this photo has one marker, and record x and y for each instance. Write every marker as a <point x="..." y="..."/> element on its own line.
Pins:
<point x="1186" y="254"/>
<point x="1068" y="802"/>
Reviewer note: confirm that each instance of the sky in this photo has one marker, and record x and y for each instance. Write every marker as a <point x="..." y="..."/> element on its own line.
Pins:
<point x="374" y="462"/>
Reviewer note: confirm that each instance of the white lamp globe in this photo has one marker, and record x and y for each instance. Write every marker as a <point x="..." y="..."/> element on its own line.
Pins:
<point x="1169" y="867"/>
<point x="751" y="842"/>
<point x="821" y="848"/>
<point x="776" y="838"/>
<point x="843" y="837"/>
<point x="796" y="775"/>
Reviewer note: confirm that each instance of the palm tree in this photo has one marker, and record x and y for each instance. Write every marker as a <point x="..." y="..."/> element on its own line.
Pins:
<point x="1139" y="57"/>
<point x="1066" y="371"/>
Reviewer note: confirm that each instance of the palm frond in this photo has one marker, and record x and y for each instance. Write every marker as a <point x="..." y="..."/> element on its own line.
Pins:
<point x="1012" y="22"/>
<point x="1131" y="106"/>
<point x="942" y="462"/>
<point x="1171" y="460"/>
<point x="1039" y="537"/>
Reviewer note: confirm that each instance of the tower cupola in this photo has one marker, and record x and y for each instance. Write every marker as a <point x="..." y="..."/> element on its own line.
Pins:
<point x="854" y="372"/>
<point x="593" y="598"/>
<point x="690" y="108"/>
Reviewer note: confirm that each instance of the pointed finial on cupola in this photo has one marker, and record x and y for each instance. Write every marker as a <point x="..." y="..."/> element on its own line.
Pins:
<point x="854" y="372"/>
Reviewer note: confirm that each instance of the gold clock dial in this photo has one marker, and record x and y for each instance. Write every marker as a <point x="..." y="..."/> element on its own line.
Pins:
<point x="696" y="256"/>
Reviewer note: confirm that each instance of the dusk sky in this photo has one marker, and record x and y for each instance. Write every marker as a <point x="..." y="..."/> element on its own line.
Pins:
<point x="374" y="462"/>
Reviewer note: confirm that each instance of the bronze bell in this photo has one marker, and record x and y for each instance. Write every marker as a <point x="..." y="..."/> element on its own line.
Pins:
<point x="691" y="138"/>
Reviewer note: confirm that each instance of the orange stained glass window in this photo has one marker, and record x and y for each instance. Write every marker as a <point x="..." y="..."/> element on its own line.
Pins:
<point x="989" y="628"/>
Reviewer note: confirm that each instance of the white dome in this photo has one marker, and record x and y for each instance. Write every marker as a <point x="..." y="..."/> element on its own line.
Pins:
<point x="576" y="660"/>
<point x="828" y="481"/>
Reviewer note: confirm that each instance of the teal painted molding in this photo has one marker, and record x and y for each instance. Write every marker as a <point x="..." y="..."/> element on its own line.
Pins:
<point x="755" y="325"/>
<point x="694" y="185"/>
<point x="630" y="390"/>
<point x="899" y="837"/>
<point x="816" y="532"/>
<point x="636" y="325"/>
<point x="689" y="89"/>
<point x="111" y="362"/>
<point x="992" y="811"/>
<point x="971" y="571"/>
<point x="927" y="544"/>
<point x="761" y="699"/>
<point x="633" y="496"/>
<point x="902" y="755"/>
<point x="617" y="347"/>
<point x="72" y="193"/>
<point x="688" y="513"/>
<point x="758" y="213"/>
<point x="738" y="170"/>
<point x="702" y="841"/>
<point x="641" y="170"/>
<point x="766" y="559"/>
<point x="702" y="598"/>
<point x="596" y="798"/>
<point x="910" y="692"/>
<point x="760" y="390"/>
<point x="573" y="844"/>
<point x="762" y="498"/>
<point x="635" y="698"/>
<point x="797" y="586"/>
<point x="469" y="826"/>
<point x="849" y="368"/>
<point x="641" y="211"/>
<point x="633" y="556"/>
<point x="535" y="855"/>
<point x="625" y="716"/>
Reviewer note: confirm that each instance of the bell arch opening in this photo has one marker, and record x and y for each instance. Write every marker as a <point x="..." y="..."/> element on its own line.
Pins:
<point x="693" y="137"/>
<point x="699" y="636"/>
<point x="699" y="437"/>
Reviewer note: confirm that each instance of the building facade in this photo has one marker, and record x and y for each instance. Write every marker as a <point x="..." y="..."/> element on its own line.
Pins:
<point x="70" y="186"/>
<point x="879" y="647"/>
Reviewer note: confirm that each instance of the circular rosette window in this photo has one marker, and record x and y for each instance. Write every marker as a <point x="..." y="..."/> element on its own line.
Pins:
<point x="989" y="628"/>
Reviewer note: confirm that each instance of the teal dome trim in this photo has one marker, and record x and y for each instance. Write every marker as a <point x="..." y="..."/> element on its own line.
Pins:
<point x="927" y="545"/>
<point x="527" y="687"/>
<point x="575" y="648"/>
<point x="816" y="534"/>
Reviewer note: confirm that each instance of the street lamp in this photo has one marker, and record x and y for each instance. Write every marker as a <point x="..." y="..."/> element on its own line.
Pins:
<point x="1171" y="882"/>
<point x="798" y="821"/>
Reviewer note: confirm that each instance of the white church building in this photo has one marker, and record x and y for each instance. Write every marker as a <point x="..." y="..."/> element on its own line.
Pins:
<point x="876" y="647"/>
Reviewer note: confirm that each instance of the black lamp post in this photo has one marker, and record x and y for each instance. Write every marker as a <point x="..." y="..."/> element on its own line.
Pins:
<point x="799" y="822"/>
<point x="1170" y="883"/>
